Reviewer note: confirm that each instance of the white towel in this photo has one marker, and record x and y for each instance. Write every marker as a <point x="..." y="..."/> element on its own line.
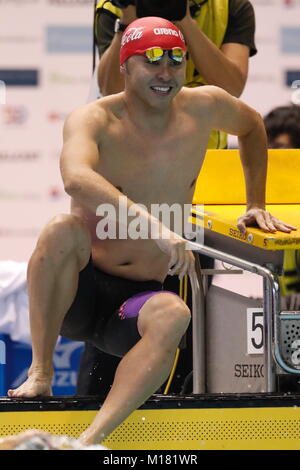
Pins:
<point x="14" y="310"/>
<point x="12" y="277"/>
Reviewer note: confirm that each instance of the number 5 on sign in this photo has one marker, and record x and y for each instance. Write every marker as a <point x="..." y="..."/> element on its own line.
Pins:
<point x="255" y="331"/>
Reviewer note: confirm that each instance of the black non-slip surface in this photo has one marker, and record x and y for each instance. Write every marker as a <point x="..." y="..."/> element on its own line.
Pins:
<point x="156" y="402"/>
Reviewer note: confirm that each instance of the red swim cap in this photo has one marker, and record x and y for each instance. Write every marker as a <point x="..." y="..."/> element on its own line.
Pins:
<point x="150" y="31"/>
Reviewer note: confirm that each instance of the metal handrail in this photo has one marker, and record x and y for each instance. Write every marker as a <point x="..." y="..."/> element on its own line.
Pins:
<point x="271" y="304"/>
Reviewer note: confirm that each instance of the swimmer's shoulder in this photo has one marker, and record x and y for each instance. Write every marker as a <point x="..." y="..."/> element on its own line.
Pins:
<point x="94" y="116"/>
<point x="204" y="99"/>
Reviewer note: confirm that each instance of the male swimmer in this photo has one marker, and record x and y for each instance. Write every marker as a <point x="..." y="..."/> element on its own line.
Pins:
<point x="148" y="143"/>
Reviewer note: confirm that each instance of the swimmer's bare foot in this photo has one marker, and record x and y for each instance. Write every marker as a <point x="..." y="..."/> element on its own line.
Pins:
<point x="36" y="385"/>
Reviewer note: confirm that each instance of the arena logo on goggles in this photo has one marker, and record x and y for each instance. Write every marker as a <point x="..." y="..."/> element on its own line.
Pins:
<point x="131" y="35"/>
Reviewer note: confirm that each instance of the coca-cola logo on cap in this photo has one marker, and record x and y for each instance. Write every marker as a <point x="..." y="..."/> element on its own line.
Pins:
<point x="132" y="34"/>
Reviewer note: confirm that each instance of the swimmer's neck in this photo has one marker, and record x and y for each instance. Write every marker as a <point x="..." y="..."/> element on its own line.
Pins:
<point x="147" y="117"/>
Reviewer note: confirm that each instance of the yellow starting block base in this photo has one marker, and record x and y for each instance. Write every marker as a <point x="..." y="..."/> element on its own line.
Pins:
<point x="189" y="422"/>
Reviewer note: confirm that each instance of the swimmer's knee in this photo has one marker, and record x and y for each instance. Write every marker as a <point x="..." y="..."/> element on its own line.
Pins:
<point x="67" y="222"/>
<point x="179" y="315"/>
<point x="164" y="314"/>
<point x="66" y="233"/>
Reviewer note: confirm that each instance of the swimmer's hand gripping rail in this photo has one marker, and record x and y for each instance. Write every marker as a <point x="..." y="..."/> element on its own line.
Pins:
<point x="271" y="310"/>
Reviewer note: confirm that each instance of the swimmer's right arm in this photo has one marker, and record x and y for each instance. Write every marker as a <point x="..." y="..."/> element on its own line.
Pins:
<point x="80" y="159"/>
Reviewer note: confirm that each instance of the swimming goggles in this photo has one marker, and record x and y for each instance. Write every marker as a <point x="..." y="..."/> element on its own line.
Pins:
<point x="154" y="54"/>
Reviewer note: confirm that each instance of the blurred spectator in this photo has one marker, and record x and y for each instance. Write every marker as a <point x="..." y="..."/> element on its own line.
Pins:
<point x="283" y="127"/>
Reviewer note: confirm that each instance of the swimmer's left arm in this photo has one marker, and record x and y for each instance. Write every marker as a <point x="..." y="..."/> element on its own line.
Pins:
<point x="232" y="116"/>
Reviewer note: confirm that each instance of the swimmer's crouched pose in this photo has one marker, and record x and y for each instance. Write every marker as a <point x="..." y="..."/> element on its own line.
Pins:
<point x="148" y="143"/>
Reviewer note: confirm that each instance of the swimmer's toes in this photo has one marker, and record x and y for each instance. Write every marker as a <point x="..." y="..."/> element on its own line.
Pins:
<point x="19" y="392"/>
<point x="31" y="390"/>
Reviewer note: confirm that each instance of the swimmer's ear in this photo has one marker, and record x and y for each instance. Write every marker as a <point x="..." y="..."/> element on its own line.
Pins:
<point x="124" y="68"/>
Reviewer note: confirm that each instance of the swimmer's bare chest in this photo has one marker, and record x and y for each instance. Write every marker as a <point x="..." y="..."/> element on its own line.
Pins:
<point x="149" y="168"/>
<point x="154" y="166"/>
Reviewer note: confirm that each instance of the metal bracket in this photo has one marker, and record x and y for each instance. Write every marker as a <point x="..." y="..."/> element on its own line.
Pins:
<point x="287" y="341"/>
